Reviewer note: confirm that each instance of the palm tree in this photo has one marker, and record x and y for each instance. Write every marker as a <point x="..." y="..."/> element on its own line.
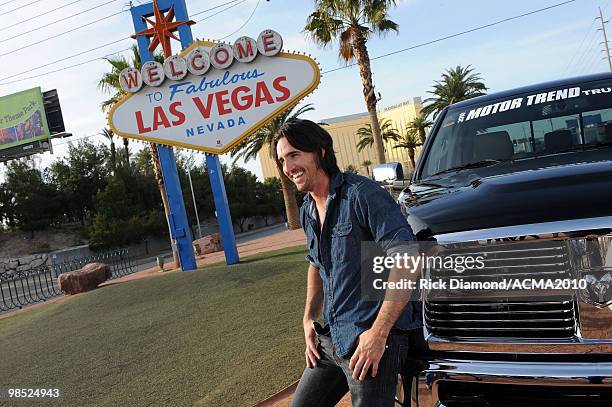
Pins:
<point x="457" y="84"/>
<point x="353" y="22"/>
<point x="253" y="145"/>
<point x="418" y="125"/>
<point x="367" y="164"/>
<point x="366" y="135"/>
<point x="108" y="133"/>
<point x="109" y="83"/>
<point x="409" y="142"/>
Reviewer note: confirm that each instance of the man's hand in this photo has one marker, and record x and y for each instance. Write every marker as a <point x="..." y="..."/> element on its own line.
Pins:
<point x="370" y="348"/>
<point x="312" y="354"/>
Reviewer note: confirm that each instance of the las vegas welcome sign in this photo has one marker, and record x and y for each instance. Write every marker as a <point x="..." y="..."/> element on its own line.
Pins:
<point x="212" y="95"/>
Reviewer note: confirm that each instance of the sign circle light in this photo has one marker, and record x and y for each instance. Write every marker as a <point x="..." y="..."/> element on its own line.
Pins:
<point x="269" y="43"/>
<point x="153" y="73"/>
<point x="175" y="67"/>
<point x="221" y="56"/>
<point x="130" y="80"/>
<point x="198" y="61"/>
<point x="245" y="49"/>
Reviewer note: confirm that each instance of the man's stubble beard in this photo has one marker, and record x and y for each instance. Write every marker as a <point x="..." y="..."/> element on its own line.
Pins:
<point x="305" y="187"/>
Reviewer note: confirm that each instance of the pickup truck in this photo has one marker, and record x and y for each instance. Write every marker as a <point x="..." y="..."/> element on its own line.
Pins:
<point x="524" y="178"/>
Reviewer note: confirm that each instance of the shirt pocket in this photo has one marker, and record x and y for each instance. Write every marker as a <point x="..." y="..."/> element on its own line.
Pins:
<point x="342" y="240"/>
<point x="342" y="229"/>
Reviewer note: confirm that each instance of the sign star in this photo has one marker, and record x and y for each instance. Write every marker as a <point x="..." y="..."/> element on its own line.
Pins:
<point x="162" y="29"/>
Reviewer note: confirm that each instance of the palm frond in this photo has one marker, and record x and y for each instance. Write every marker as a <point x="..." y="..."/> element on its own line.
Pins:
<point x="108" y="133"/>
<point x="409" y="141"/>
<point x="457" y="84"/>
<point x="343" y="19"/>
<point x="366" y="138"/>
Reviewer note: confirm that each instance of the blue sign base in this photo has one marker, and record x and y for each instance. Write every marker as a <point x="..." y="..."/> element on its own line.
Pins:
<point x="223" y="214"/>
<point x="177" y="217"/>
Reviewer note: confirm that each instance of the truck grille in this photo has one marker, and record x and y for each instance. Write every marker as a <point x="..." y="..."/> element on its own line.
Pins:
<point x="482" y="314"/>
<point x="545" y="319"/>
<point x="531" y="259"/>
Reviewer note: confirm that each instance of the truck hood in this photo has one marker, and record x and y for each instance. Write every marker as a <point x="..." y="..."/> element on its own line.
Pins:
<point x="523" y="193"/>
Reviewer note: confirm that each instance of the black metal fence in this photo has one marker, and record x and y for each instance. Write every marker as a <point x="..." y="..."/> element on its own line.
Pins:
<point x="19" y="289"/>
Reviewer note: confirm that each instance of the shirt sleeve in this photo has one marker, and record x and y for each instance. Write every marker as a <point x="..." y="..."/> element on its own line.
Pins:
<point x="377" y="211"/>
<point x="308" y="257"/>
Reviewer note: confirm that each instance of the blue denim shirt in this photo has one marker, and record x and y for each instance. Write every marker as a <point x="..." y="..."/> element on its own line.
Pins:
<point x="357" y="210"/>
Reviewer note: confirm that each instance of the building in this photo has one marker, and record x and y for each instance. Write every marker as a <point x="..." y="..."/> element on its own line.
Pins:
<point x="343" y="130"/>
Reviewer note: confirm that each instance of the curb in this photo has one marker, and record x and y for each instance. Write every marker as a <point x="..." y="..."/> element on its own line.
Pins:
<point x="277" y="397"/>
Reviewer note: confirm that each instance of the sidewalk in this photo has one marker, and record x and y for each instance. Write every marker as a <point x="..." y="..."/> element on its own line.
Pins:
<point x="150" y="261"/>
<point x="283" y="398"/>
<point x="281" y="240"/>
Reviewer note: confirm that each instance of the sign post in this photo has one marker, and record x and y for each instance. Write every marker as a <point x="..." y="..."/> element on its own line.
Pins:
<point x="177" y="216"/>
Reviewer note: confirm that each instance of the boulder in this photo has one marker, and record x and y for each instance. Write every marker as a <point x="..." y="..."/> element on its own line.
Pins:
<point x="37" y="263"/>
<point x="209" y="244"/>
<point x="85" y="279"/>
<point x="26" y="260"/>
<point x="23" y="268"/>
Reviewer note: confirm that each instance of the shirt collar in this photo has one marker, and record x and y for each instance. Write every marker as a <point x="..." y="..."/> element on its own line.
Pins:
<point x="337" y="179"/>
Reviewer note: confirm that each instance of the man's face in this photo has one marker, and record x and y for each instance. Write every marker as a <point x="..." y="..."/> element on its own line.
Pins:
<point x="299" y="166"/>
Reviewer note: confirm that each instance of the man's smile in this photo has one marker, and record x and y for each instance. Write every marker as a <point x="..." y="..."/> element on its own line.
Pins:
<point x="297" y="176"/>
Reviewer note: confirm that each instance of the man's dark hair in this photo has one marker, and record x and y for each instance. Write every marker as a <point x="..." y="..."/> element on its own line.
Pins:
<point x="309" y="137"/>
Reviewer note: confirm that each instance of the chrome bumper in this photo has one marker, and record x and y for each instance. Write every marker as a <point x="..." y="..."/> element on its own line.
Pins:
<point x="425" y="391"/>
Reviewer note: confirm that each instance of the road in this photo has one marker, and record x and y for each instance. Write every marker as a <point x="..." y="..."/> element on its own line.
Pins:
<point x="147" y="263"/>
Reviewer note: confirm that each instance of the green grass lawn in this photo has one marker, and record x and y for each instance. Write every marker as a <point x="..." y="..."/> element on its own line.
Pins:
<point x="222" y="336"/>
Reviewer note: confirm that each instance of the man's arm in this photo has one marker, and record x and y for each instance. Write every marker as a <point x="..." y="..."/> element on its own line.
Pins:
<point x="372" y="343"/>
<point x="312" y="310"/>
<point x="392" y="308"/>
<point x="396" y="300"/>
<point x="377" y="211"/>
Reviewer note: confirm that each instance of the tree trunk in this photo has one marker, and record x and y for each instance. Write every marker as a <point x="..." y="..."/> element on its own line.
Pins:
<point x="113" y="157"/>
<point x="363" y="60"/>
<point x="422" y="135"/>
<point x="411" y="155"/>
<point x="162" y="191"/>
<point x="126" y="142"/>
<point x="291" y="209"/>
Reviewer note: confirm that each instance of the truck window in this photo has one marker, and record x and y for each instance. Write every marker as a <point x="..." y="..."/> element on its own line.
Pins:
<point x="524" y="126"/>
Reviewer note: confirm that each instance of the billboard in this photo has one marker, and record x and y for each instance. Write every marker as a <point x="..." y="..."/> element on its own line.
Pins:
<point x="212" y="95"/>
<point x="22" y="119"/>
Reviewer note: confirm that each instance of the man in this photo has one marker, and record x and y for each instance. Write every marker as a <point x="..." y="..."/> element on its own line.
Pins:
<point x="362" y="343"/>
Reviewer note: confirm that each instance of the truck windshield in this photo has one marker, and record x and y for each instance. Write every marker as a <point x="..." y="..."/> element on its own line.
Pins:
<point x="523" y="126"/>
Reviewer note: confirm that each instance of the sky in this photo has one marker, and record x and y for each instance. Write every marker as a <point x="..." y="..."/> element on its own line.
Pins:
<point x="556" y="43"/>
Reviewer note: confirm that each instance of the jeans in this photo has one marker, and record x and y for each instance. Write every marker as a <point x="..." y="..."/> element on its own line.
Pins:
<point x="325" y="384"/>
